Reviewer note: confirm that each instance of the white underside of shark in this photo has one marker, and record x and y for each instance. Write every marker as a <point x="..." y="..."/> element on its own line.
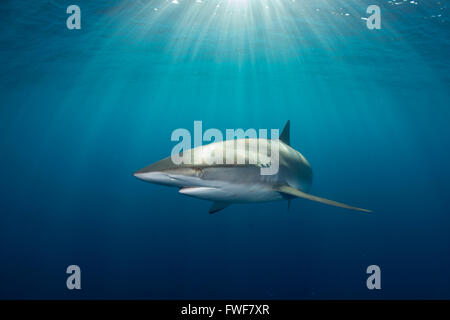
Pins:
<point x="215" y="190"/>
<point x="225" y="184"/>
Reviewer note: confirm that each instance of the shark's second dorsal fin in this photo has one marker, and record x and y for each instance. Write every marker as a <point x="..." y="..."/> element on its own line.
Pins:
<point x="285" y="135"/>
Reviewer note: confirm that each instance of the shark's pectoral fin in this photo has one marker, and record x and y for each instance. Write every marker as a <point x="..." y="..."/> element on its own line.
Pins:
<point x="209" y="193"/>
<point x="286" y="190"/>
<point x="217" y="206"/>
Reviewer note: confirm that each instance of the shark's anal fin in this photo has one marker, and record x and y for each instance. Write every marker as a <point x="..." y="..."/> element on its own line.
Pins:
<point x="286" y="190"/>
<point x="217" y="206"/>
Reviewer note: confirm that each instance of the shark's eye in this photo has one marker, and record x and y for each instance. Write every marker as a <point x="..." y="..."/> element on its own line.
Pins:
<point x="199" y="172"/>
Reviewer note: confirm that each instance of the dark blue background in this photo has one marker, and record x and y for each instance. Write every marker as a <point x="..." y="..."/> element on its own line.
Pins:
<point x="82" y="110"/>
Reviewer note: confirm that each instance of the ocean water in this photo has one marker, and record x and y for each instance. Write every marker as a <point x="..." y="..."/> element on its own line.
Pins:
<point x="81" y="110"/>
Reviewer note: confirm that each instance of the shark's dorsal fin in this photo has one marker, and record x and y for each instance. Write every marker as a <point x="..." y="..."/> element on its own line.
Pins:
<point x="217" y="206"/>
<point x="286" y="190"/>
<point x="285" y="134"/>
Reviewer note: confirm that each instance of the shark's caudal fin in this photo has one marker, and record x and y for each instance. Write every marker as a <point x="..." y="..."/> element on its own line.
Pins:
<point x="285" y="135"/>
<point x="289" y="191"/>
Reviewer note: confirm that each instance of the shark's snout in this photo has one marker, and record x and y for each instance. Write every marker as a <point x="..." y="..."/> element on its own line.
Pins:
<point x="138" y="175"/>
<point x="156" y="172"/>
<point x="154" y="177"/>
<point x="166" y="173"/>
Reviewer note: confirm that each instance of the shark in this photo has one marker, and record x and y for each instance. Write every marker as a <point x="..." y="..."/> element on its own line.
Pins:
<point x="225" y="184"/>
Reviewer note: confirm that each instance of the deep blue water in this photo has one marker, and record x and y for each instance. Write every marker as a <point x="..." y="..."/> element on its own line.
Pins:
<point x="81" y="110"/>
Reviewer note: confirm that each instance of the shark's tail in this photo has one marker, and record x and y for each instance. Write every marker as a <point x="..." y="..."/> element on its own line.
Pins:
<point x="292" y="192"/>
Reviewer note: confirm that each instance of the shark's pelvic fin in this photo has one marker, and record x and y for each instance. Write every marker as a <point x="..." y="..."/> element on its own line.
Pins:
<point x="217" y="206"/>
<point x="285" y="135"/>
<point x="300" y="194"/>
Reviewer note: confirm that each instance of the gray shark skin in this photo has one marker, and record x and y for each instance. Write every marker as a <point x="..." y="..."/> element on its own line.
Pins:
<point x="225" y="184"/>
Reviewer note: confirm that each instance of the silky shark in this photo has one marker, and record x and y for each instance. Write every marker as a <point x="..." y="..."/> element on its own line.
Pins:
<point x="225" y="184"/>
